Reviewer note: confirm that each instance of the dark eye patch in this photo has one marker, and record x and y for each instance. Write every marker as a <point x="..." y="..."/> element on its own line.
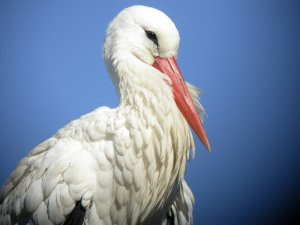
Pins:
<point x="152" y="36"/>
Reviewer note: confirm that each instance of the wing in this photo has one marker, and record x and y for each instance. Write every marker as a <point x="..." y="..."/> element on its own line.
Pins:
<point x="181" y="212"/>
<point x="55" y="183"/>
<point x="46" y="186"/>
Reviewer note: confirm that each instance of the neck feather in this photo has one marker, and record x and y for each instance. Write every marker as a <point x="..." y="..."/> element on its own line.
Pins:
<point x="144" y="90"/>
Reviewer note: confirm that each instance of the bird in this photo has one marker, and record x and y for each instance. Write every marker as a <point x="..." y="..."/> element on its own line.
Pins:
<point x="123" y="165"/>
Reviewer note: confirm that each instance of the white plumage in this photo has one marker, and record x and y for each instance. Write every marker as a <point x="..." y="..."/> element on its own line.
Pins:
<point x="125" y="165"/>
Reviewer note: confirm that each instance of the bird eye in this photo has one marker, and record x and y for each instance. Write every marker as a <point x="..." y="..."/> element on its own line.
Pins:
<point x="152" y="36"/>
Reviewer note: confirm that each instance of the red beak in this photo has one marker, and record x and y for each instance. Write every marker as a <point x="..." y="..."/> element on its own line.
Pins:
<point x="182" y="96"/>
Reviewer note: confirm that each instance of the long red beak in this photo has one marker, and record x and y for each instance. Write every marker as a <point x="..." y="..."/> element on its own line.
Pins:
<point x="182" y="96"/>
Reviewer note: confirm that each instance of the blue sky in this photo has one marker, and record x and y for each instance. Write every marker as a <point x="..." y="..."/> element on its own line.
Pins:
<point x="244" y="55"/>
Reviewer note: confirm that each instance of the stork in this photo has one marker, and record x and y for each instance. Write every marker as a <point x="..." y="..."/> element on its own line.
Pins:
<point x="121" y="166"/>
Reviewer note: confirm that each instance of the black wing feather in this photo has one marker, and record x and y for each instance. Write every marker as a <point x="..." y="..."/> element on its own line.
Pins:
<point x="170" y="217"/>
<point x="76" y="217"/>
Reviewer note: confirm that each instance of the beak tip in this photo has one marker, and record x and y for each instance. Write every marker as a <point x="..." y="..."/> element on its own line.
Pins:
<point x="208" y="148"/>
<point x="207" y="145"/>
<point x="200" y="133"/>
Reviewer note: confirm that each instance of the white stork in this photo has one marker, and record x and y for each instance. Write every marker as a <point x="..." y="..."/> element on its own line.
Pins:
<point x="122" y="166"/>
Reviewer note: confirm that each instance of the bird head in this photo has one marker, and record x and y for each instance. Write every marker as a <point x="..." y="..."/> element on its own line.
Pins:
<point x="150" y="38"/>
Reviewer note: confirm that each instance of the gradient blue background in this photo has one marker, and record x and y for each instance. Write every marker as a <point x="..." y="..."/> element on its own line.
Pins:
<point x="243" y="54"/>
